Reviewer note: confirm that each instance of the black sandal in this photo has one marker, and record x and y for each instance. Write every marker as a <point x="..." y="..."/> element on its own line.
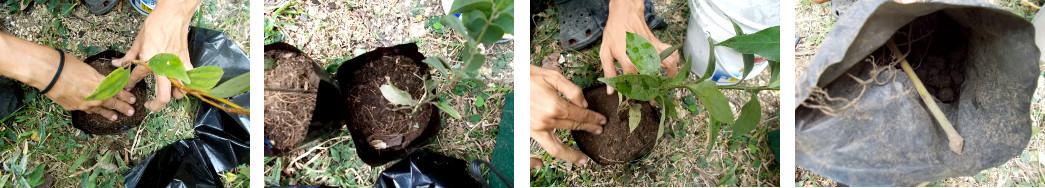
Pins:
<point x="581" y="22"/>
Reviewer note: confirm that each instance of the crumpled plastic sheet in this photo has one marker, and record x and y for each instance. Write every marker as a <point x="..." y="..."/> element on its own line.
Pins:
<point x="424" y="168"/>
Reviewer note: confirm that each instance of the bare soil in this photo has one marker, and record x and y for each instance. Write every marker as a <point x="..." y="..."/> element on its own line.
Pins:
<point x="387" y="126"/>
<point x="617" y="143"/>
<point x="97" y="124"/>
<point x="290" y="97"/>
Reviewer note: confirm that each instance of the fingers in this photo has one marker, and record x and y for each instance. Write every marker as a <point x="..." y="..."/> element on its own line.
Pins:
<point x="103" y="112"/>
<point x="571" y="91"/>
<point x="625" y="64"/>
<point x="671" y="62"/>
<point x="163" y="94"/>
<point x="567" y="124"/>
<point x="119" y="106"/>
<point x="177" y="93"/>
<point x="608" y="70"/>
<point x="137" y="75"/>
<point x="535" y="163"/>
<point x="131" y="55"/>
<point x="576" y="113"/>
<point x="556" y="148"/>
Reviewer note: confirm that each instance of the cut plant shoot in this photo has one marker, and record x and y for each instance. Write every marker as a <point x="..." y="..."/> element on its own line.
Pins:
<point x="199" y="82"/>
<point x="650" y="85"/>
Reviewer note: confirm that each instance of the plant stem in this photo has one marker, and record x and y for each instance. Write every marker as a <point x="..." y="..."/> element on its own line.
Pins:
<point x="956" y="141"/>
<point x="202" y="95"/>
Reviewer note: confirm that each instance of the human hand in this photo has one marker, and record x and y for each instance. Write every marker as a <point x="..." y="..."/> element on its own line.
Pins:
<point x="549" y="112"/>
<point x="627" y="16"/>
<point x="77" y="81"/>
<point x="166" y="30"/>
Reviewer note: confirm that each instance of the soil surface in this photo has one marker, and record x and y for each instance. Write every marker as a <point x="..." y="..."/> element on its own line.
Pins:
<point x="97" y="124"/>
<point x="388" y="127"/>
<point x="617" y="144"/>
<point x="942" y="68"/>
<point x="290" y="97"/>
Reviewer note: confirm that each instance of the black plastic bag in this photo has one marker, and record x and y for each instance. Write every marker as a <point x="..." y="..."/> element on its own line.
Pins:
<point x="887" y="137"/>
<point x="424" y="168"/>
<point x="222" y="138"/>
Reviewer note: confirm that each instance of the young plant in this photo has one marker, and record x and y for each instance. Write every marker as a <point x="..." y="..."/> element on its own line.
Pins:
<point x="199" y="82"/>
<point x="481" y="22"/>
<point x="649" y="85"/>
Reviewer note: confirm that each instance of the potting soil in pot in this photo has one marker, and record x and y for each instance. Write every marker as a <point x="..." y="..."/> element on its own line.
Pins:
<point x="290" y="97"/>
<point x="390" y="127"/>
<point x="97" y="124"/>
<point x="617" y="144"/>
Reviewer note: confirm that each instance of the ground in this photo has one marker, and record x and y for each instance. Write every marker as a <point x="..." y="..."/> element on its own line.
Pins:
<point x="40" y="131"/>
<point x="335" y="31"/>
<point x="683" y="158"/>
<point x="812" y="25"/>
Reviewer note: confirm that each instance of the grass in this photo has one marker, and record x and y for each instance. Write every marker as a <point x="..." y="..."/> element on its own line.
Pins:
<point x="333" y="32"/>
<point x="683" y="157"/>
<point x="1023" y="170"/>
<point x="41" y="134"/>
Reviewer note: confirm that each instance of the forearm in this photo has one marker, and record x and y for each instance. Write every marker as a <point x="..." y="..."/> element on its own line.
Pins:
<point x="630" y="5"/>
<point x="28" y="62"/>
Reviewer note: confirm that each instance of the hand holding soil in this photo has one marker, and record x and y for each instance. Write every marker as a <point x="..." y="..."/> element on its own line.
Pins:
<point x="550" y="112"/>
<point x="627" y="16"/>
<point x="164" y="31"/>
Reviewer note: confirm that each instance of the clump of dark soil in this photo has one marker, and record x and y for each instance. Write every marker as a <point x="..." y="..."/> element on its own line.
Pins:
<point x="97" y="124"/>
<point x="387" y="126"/>
<point x="291" y="87"/>
<point x="938" y="53"/>
<point x="617" y="144"/>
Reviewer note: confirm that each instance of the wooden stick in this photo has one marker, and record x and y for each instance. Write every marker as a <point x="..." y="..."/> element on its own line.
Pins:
<point x="956" y="141"/>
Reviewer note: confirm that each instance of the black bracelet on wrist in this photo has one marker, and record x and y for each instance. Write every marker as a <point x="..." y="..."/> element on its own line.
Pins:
<point x="61" y="63"/>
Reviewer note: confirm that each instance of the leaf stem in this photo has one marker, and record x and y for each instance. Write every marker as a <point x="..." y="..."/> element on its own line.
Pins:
<point x="956" y="140"/>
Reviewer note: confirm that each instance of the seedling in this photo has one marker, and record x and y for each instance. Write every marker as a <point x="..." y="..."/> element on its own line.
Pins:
<point x="649" y="85"/>
<point x="481" y="22"/>
<point x="199" y="82"/>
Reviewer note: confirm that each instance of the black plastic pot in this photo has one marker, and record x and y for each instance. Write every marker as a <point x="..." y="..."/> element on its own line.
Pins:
<point x="370" y="155"/>
<point x="90" y="124"/>
<point x="329" y="103"/>
<point x="627" y="144"/>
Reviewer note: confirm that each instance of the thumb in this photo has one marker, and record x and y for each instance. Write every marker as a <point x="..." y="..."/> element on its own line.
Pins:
<point x="131" y="55"/>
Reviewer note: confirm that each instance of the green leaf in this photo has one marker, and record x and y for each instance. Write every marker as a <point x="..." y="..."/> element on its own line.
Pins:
<point x="462" y="6"/>
<point x="636" y="86"/>
<point x="111" y="85"/>
<point x="667" y="52"/>
<point x="270" y="63"/>
<point x="642" y="54"/>
<point x="749" y="63"/>
<point x="714" y="101"/>
<point x="749" y="118"/>
<point x="169" y="65"/>
<point x="232" y="87"/>
<point x="397" y="96"/>
<point x="472" y="59"/>
<point x="455" y="23"/>
<point x="774" y="80"/>
<point x="449" y="110"/>
<point x="438" y="63"/>
<point x="729" y="175"/>
<point x="634" y="117"/>
<point x="667" y="110"/>
<point x="713" y="135"/>
<point x="437" y="25"/>
<point x="765" y="43"/>
<point x="505" y="22"/>
<point x="683" y="73"/>
<point x="37" y="176"/>
<point x="736" y="28"/>
<point x="477" y="22"/>
<point x="711" y="63"/>
<point x="76" y="164"/>
<point x="205" y="77"/>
